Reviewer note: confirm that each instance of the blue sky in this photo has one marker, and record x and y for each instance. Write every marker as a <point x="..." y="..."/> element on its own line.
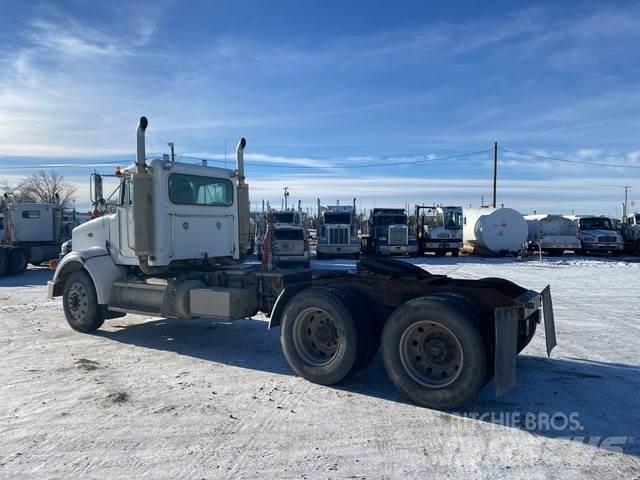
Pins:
<point x="331" y="84"/>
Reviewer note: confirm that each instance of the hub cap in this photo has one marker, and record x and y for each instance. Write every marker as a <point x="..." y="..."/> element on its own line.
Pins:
<point x="78" y="301"/>
<point x="315" y="337"/>
<point x="431" y="354"/>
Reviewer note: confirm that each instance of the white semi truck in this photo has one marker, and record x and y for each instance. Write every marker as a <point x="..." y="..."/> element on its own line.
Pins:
<point x="173" y="248"/>
<point x="630" y="229"/>
<point x="597" y="234"/>
<point x="32" y="233"/>
<point x="337" y="231"/>
<point x="439" y="229"/>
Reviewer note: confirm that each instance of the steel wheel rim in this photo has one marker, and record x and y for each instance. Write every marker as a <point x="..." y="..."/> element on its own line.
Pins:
<point x="431" y="354"/>
<point x="78" y="301"/>
<point x="315" y="337"/>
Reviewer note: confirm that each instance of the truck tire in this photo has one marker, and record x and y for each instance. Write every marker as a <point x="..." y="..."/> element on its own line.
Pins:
<point x="455" y="253"/>
<point x="434" y="353"/>
<point x="319" y="336"/>
<point x="637" y="248"/>
<point x="4" y="262"/>
<point x="17" y="261"/>
<point x="80" y="302"/>
<point x="367" y="325"/>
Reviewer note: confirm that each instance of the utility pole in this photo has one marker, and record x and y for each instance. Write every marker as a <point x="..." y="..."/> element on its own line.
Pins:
<point x="495" y="171"/>
<point x="286" y="194"/>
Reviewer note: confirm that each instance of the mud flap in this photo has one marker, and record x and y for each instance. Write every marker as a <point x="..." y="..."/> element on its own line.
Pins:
<point x="549" y="321"/>
<point x="506" y="350"/>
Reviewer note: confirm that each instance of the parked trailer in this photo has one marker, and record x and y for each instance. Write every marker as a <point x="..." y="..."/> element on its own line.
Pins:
<point x="552" y="234"/>
<point x="337" y="231"/>
<point x="441" y="338"/>
<point x="494" y="231"/>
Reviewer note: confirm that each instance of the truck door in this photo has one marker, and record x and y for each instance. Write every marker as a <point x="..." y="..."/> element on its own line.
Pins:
<point x="125" y="221"/>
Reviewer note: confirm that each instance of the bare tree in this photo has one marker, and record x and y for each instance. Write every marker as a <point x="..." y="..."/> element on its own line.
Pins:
<point x="42" y="187"/>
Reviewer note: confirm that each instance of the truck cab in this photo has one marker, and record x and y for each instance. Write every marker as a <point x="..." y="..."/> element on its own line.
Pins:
<point x="439" y="229"/>
<point x="387" y="232"/>
<point x="289" y="242"/>
<point x="337" y="231"/>
<point x="630" y="229"/>
<point x="598" y="235"/>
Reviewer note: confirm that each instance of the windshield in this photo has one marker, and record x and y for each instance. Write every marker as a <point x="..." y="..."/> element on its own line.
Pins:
<point x="283" y="217"/>
<point x="451" y="220"/>
<point x="288" y="234"/>
<point x="595" y="224"/>
<point x="336" y="218"/>
<point x="384" y="220"/>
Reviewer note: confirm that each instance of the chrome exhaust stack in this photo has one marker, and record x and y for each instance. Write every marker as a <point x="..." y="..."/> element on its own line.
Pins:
<point x="143" y="225"/>
<point x="140" y="145"/>
<point x="244" y="223"/>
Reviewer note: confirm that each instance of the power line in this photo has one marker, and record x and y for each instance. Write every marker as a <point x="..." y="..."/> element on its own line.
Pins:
<point x="365" y="165"/>
<point x="581" y="162"/>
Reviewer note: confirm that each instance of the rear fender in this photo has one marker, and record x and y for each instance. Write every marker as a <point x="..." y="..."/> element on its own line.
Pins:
<point x="281" y="302"/>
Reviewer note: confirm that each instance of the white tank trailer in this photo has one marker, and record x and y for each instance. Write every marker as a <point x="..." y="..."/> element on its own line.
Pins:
<point x="493" y="231"/>
<point x="553" y="234"/>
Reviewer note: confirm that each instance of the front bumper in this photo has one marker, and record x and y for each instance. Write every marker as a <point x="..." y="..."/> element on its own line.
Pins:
<point x="443" y="245"/>
<point x="397" y="249"/>
<point x="282" y="259"/>
<point x="338" y="249"/>
<point x="604" y="246"/>
<point x="508" y="322"/>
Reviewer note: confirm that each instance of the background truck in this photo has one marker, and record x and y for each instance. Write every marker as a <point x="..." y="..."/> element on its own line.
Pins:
<point x="287" y="239"/>
<point x="439" y="229"/>
<point x="386" y="231"/>
<point x="630" y="230"/>
<point x="553" y="234"/>
<point x="337" y="229"/>
<point x="32" y="233"/>
<point x="173" y="248"/>
<point x="597" y="234"/>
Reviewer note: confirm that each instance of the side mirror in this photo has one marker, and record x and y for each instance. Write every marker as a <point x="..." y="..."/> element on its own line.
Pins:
<point x="96" y="188"/>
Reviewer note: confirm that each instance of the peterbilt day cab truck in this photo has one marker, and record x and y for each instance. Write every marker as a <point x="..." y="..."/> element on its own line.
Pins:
<point x="439" y="229"/>
<point x="337" y="231"/>
<point x="173" y="249"/>
<point x="386" y="231"/>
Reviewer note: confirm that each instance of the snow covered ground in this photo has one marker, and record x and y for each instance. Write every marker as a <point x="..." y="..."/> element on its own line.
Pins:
<point x="159" y="398"/>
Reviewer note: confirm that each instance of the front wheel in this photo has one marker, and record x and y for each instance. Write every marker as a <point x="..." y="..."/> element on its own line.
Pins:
<point x="434" y="352"/>
<point x="80" y="302"/>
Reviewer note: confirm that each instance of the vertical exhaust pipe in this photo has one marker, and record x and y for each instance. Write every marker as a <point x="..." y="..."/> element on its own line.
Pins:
<point x="240" y="159"/>
<point x="318" y="208"/>
<point x="244" y="223"/>
<point x="140" y="145"/>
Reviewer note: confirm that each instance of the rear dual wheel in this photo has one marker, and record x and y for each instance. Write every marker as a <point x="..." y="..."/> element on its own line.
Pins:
<point x="434" y="352"/>
<point x="327" y="334"/>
